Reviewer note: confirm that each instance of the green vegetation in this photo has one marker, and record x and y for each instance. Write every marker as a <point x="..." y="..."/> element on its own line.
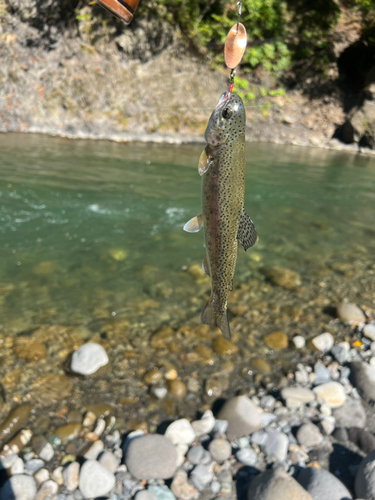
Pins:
<point x="282" y="33"/>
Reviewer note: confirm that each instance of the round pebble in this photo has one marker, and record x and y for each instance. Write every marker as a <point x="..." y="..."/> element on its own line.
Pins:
<point x="276" y="340"/>
<point x="95" y="480"/>
<point x="242" y="415"/>
<point x="180" y="432"/>
<point x="71" y="476"/>
<point x="246" y="456"/>
<point x="88" y="358"/>
<point x="350" y="313"/>
<point x="223" y="346"/>
<point x="205" y="424"/>
<point x="176" y="388"/>
<point x="323" y="342"/>
<point x="19" y="487"/>
<point x="220" y="449"/>
<point x="152" y="377"/>
<point x="369" y="331"/>
<point x="331" y="393"/>
<point x="151" y="457"/>
<point x="309" y="435"/>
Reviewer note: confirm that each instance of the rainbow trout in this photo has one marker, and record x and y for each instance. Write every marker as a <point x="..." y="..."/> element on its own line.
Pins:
<point x="223" y="218"/>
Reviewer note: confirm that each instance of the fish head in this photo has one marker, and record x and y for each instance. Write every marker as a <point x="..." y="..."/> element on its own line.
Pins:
<point x="227" y="120"/>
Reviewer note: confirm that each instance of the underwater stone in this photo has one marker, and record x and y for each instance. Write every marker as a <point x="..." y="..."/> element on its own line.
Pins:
<point x="88" y="358"/>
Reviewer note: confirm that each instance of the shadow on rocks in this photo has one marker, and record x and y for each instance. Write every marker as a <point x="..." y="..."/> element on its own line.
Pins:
<point x="243" y="479"/>
<point x="341" y="463"/>
<point x="3" y="477"/>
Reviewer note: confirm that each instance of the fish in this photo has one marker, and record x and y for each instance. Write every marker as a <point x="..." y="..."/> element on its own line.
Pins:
<point x="223" y="218"/>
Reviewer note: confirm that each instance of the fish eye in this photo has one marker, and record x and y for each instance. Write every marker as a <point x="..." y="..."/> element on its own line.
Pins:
<point x="226" y="113"/>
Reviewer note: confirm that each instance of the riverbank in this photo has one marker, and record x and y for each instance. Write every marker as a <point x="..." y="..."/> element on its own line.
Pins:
<point x="98" y="86"/>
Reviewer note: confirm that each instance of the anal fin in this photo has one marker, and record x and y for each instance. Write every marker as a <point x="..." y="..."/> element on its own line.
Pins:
<point x="247" y="234"/>
<point x="194" y="225"/>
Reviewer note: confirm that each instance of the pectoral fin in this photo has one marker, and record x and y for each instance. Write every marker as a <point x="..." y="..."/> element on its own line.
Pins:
<point x="194" y="224"/>
<point x="247" y="234"/>
<point x="206" y="266"/>
<point x="204" y="163"/>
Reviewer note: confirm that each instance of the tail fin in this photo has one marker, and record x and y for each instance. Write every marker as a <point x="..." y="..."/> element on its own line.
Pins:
<point x="216" y="318"/>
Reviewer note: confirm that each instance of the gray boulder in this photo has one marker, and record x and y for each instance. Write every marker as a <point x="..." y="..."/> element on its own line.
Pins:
<point x="276" y="484"/>
<point x="242" y="415"/>
<point x="350" y="414"/>
<point x="362" y="376"/>
<point x="321" y="484"/>
<point x="364" y="485"/>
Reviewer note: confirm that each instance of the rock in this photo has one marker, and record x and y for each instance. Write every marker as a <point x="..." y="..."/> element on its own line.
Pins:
<point x="332" y="393"/>
<point x="320" y="483"/>
<point x="205" y="424"/>
<point x="299" y="342"/>
<point x="152" y="377"/>
<point x="276" y="340"/>
<point x="29" y="349"/>
<point x="362" y="376"/>
<point x="176" y="388"/>
<point x="47" y="490"/>
<point x="162" y="337"/>
<point x="340" y="352"/>
<point x="323" y="342"/>
<point x="19" y="487"/>
<point x="181" y="488"/>
<point x="41" y="476"/>
<point x="151" y="457"/>
<point x="350" y="313"/>
<point x="296" y="396"/>
<point x="364" y="485"/>
<point x="68" y="432"/>
<point x="50" y="388"/>
<point x="109" y="461"/>
<point x="340" y="434"/>
<point x="350" y="414"/>
<point x="260" y="365"/>
<point x="43" y="448"/>
<point x="363" y="439"/>
<point x="180" y="432"/>
<point x="369" y="331"/>
<point x="322" y="375"/>
<point x="284" y="277"/>
<point x="181" y="450"/>
<point x="246" y="456"/>
<point x="222" y="346"/>
<point x="198" y="455"/>
<point x="328" y="425"/>
<point x="94" y="450"/>
<point x="213" y="388"/>
<point x="95" y="480"/>
<point x="161" y="492"/>
<point x="34" y="464"/>
<point x="220" y="450"/>
<point x="273" y="443"/>
<point x="309" y="435"/>
<point x="88" y="358"/>
<point x="201" y="477"/>
<point x="275" y="484"/>
<point x="14" y="421"/>
<point x="71" y="476"/>
<point x="144" y="495"/>
<point x="242" y="415"/>
<point x="17" y="467"/>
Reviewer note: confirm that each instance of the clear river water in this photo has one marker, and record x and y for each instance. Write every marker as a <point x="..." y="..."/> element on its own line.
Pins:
<point x="93" y="229"/>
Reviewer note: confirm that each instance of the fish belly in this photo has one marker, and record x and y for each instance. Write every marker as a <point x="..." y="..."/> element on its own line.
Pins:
<point x="222" y="204"/>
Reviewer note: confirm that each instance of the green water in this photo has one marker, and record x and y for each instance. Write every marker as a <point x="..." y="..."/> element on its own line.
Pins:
<point x="80" y="220"/>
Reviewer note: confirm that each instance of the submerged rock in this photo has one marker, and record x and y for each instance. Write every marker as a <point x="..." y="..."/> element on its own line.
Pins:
<point x="284" y="277"/>
<point x="350" y="313"/>
<point x="88" y="358"/>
